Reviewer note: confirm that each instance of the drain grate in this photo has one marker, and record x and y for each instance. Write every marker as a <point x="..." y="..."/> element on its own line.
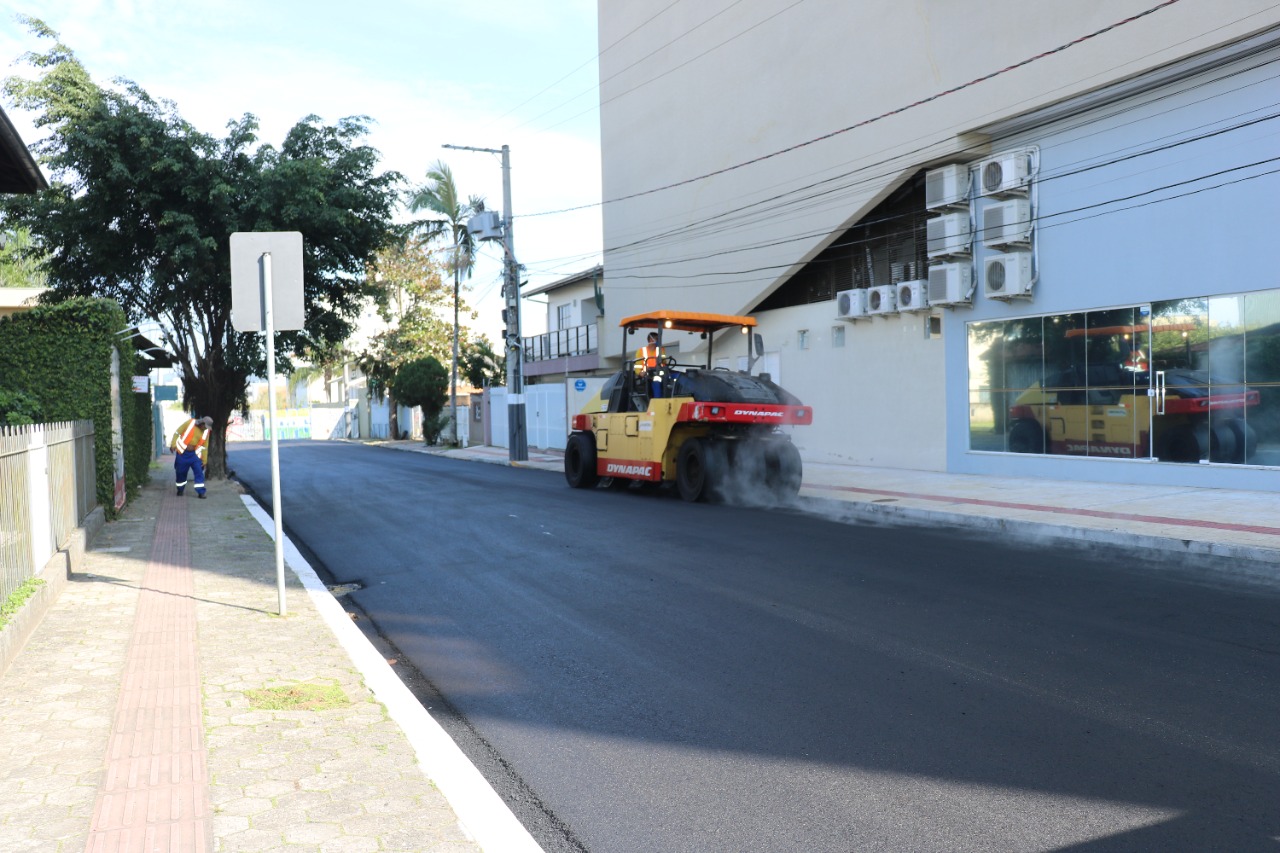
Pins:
<point x="340" y="589"/>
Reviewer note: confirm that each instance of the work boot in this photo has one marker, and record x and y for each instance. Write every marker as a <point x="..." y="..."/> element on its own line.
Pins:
<point x="179" y="492"/>
<point x="201" y="497"/>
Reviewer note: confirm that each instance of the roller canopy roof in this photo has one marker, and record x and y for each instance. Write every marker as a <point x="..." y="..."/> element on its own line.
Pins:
<point x="685" y="321"/>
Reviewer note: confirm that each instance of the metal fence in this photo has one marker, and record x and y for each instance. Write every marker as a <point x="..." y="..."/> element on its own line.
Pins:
<point x="53" y="461"/>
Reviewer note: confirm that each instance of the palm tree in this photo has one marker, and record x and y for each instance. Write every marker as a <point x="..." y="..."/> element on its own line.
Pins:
<point x="440" y="195"/>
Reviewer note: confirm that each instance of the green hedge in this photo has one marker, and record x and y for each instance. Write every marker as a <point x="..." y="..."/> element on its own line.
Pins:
<point x="60" y="356"/>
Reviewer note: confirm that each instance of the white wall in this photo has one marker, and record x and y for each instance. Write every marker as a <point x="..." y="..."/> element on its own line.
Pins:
<point x="879" y="400"/>
<point x="545" y="423"/>
<point x="679" y="101"/>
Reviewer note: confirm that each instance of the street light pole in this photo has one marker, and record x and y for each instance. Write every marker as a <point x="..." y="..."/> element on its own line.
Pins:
<point x="517" y="440"/>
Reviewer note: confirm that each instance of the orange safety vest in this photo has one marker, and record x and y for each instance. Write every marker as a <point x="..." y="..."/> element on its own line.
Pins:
<point x="647" y="357"/>
<point x="190" y="435"/>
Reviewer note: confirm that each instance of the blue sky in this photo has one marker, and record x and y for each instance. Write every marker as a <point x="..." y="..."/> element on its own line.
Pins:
<point x="515" y="72"/>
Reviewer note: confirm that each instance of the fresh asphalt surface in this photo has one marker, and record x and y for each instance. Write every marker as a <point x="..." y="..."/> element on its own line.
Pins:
<point x="636" y="673"/>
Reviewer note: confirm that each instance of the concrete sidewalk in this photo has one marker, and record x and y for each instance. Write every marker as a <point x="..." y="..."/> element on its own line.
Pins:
<point x="162" y="704"/>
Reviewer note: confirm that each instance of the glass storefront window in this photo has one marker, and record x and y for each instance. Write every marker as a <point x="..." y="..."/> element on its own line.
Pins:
<point x="1262" y="374"/>
<point x="1189" y="380"/>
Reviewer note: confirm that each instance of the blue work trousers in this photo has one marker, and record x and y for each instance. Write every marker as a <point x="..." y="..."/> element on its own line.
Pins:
<point x="189" y="461"/>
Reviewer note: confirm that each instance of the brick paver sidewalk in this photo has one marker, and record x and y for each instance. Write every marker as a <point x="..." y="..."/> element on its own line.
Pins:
<point x="95" y="717"/>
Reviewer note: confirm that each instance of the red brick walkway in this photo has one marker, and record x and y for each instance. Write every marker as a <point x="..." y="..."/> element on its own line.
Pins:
<point x="155" y="795"/>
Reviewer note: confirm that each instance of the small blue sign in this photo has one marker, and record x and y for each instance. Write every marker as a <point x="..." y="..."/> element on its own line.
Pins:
<point x="579" y="384"/>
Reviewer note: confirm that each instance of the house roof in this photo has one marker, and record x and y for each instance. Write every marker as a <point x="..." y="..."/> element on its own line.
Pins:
<point x="18" y="170"/>
<point x="586" y="275"/>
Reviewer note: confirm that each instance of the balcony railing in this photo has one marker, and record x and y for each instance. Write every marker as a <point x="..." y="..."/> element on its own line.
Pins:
<point x="562" y="343"/>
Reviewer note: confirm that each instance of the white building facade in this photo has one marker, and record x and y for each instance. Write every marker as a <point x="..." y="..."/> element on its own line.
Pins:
<point x="1021" y="239"/>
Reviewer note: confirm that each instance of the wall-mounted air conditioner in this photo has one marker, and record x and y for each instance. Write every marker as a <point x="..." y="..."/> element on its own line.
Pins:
<point x="1006" y="223"/>
<point x="951" y="284"/>
<point x="1005" y="175"/>
<point x="1007" y="275"/>
<point x="946" y="186"/>
<point x="913" y="295"/>
<point x="851" y="304"/>
<point x="948" y="235"/>
<point x="881" y="300"/>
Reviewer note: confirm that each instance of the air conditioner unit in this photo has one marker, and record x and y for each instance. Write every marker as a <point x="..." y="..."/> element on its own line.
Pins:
<point x="946" y="186"/>
<point x="1005" y="175"/>
<point x="913" y="295"/>
<point x="881" y="300"/>
<point x="1006" y="223"/>
<point x="951" y="284"/>
<point x="1007" y="275"/>
<point x="949" y="235"/>
<point x="851" y="304"/>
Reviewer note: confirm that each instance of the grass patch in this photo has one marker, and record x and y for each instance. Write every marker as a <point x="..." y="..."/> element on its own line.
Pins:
<point x="17" y="598"/>
<point x="298" y="697"/>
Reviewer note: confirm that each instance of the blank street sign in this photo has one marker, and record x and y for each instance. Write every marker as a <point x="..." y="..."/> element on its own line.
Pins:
<point x="248" y="302"/>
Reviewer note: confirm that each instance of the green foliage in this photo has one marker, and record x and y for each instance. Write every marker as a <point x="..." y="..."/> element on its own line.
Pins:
<point x="18" y="408"/>
<point x="11" y="605"/>
<point x="440" y="196"/>
<point x="412" y="295"/>
<point x="480" y="365"/>
<point x="21" y="264"/>
<point x="423" y="382"/>
<point x="60" y="356"/>
<point x="143" y="205"/>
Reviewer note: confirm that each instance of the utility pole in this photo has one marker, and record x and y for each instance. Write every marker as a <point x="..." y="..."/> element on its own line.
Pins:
<point x="517" y="434"/>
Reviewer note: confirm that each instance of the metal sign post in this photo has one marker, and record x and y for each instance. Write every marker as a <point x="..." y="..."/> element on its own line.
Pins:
<point x="256" y="282"/>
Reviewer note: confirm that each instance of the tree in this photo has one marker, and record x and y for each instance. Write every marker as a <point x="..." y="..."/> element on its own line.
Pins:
<point x="142" y="207"/>
<point x="20" y="260"/>
<point x="440" y="195"/>
<point x="423" y="382"/>
<point x="411" y="296"/>
<point x="481" y="365"/>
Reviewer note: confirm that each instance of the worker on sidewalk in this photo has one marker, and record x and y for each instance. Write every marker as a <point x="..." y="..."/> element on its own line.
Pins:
<point x="190" y="448"/>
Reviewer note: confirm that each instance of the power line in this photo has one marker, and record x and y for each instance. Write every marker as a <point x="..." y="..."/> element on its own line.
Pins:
<point x="1038" y="220"/>
<point x="624" y="69"/>
<point x="868" y="121"/>
<point x="595" y="58"/>
<point x="1200" y="137"/>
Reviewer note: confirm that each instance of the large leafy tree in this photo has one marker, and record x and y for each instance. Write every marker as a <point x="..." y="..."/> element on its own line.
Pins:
<point x="440" y="196"/>
<point x="412" y="298"/>
<point x="142" y="207"/>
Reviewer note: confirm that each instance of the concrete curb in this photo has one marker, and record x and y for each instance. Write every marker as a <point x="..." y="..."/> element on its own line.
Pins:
<point x="483" y="814"/>
<point x="1249" y="561"/>
<point x="1240" y="560"/>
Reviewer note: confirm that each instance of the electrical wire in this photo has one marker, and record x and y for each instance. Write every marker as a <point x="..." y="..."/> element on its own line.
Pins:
<point x="744" y="213"/>
<point x="626" y="68"/>
<point x="618" y="269"/>
<point x="595" y="58"/>
<point x="682" y="232"/>
<point x="868" y="121"/>
<point x="775" y="267"/>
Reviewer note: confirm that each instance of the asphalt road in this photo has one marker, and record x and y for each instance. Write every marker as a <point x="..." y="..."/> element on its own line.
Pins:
<point x="637" y="673"/>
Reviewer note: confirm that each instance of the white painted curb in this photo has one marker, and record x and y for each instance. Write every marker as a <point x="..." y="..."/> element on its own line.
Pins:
<point x="481" y="811"/>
